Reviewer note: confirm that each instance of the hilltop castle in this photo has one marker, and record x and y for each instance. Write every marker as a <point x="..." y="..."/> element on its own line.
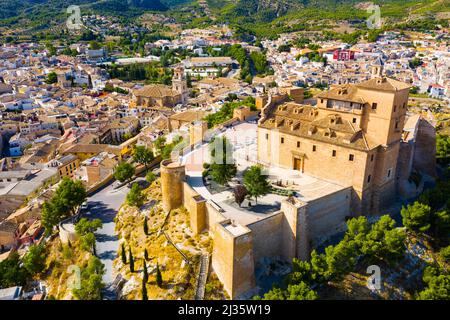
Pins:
<point x="352" y="137"/>
<point x="343" y="157"/>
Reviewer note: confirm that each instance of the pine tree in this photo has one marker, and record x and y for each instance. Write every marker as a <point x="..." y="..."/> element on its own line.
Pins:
<point x="124" y="256"/>
<point x="159" y="279"/>
<point x="131" y="261"/>
<point x="145" y="226"/>
<point x="144" y="291"/>
<point x="145" y="276"/>
<point x="145" y="254"/>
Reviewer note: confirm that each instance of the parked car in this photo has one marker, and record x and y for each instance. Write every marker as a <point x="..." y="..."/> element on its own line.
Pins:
<point x="84" y="206"/>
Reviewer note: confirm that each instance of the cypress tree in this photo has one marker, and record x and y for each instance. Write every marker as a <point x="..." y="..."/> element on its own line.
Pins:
<point x="145" y="254"/>
<point x="145" y="276"/>
<point x="124" y="256"/>
<point x="144" y="291"/>
<point x="145" y="226"/>
<point x="159" y="279"/>
<point x="131" y="261"/>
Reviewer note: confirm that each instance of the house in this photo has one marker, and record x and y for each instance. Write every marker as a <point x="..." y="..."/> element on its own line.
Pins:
<point x="437" y="91"/>
<point x="9" y="234"/>
<point x="67" y="165"/>
<point x="12" y="293"/>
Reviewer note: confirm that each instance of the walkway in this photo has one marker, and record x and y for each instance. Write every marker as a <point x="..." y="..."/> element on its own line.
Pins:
<point x="104" y="205"/>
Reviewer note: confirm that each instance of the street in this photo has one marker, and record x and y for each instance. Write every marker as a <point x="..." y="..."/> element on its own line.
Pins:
<point x="104" y="205"/>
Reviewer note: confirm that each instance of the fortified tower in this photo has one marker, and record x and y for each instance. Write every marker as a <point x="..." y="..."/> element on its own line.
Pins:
<point x="172" y="178"/>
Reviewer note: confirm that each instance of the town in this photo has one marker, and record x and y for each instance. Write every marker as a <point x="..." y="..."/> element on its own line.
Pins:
<point x="200" y="166"/>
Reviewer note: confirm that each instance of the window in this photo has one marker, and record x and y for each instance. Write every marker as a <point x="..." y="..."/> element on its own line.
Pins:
<point x="396" y="124"/>
<point x="321" y="100"/>
<point x="354" y="120"/>
<point x="314" y="148"/>
<point x="298" y="144"/>
<point x="389" y="173"/>
<point x="351" y="157"/>
<point x="267" y="136"/>
<point x="282" y="140"/>
<point x="371" y="158"/>
<point x="369" y="178"/>
<point x="395" y="108"/>
<point x="374" y="106"/>
<point x="404" y="105"/>
<point x="334" y="153"/>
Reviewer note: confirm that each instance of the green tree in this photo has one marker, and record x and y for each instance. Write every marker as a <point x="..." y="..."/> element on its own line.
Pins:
<point x="51" y="78"/>
<point x="384" y="241"/>
<point x="123" y="254"/>
<point x="68" y="197"/>
<point x="255" y="182"/>
<point x="445" y="254"/>
<point x="222" y="169"/>
<point x="145" y="226"/>
<point x="135" y="197"/>
<point x="142" y="155"/>
<point x="123" y="172"/>
<point x="85" y="229"/>
<point x="131" y="260"/>
<point x="274" y="294"/>
<point x="159" y="144"/>
<point x="91" y="281"/>
<point x="34" y="260"/>
<point x="94" y="45"/>
<point x="150" y="177"/>
<point x="440" y="225"/>
<point x="145" y="272"/>
<point x="437" y="285"/>
<point x="340" y="259"/>
<point x="443" y="149"/>
<point x="159" y="279"/>
<point x="416" y="217"/>
<point x="11" y="272"/>
<point x="85" y="226"/>
<point x="144" y="290"/>
<point x="300" y="291"/>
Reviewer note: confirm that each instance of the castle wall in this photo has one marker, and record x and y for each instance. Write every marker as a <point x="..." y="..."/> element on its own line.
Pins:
<point x="425" y="152"/>
<point x="172" y="178"/>
<point x="326" y="215"/>
<point x="267" y="237"/>
<point x="232" y="258"/>
<point x="196" y="206"/>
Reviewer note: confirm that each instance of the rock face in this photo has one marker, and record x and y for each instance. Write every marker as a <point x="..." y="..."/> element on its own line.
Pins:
<point x="265" y="9"/>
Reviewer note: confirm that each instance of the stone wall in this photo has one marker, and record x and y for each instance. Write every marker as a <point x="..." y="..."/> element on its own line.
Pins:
<point x="425" y="151"/>
<point x="172" y="178"/>
<point x="267" y="237"/>
<point x="232" y="258"/>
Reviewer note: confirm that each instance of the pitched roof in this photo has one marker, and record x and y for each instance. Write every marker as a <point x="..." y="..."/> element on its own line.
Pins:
<point x="155" y="91"/>
<point x="383" y="84"/>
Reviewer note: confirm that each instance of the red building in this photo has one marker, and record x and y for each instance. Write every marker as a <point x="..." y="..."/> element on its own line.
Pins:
<point x="343" y="55"/>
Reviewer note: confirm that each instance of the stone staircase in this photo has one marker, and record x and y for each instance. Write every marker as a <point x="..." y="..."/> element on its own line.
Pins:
<point x="202" y="277"/>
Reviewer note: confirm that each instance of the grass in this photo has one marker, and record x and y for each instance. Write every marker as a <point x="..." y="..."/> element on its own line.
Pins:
<point x="59" y="274"/>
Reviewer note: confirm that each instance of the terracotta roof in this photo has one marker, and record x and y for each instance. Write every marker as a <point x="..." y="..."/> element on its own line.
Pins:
<point x="383" y="84"/>
<point x="343" y="93"/>
<point x="155" y="91"/>
<point x="8" y="226"/>
<point x="188" y="116"/>
<point x="303" y="121"/>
